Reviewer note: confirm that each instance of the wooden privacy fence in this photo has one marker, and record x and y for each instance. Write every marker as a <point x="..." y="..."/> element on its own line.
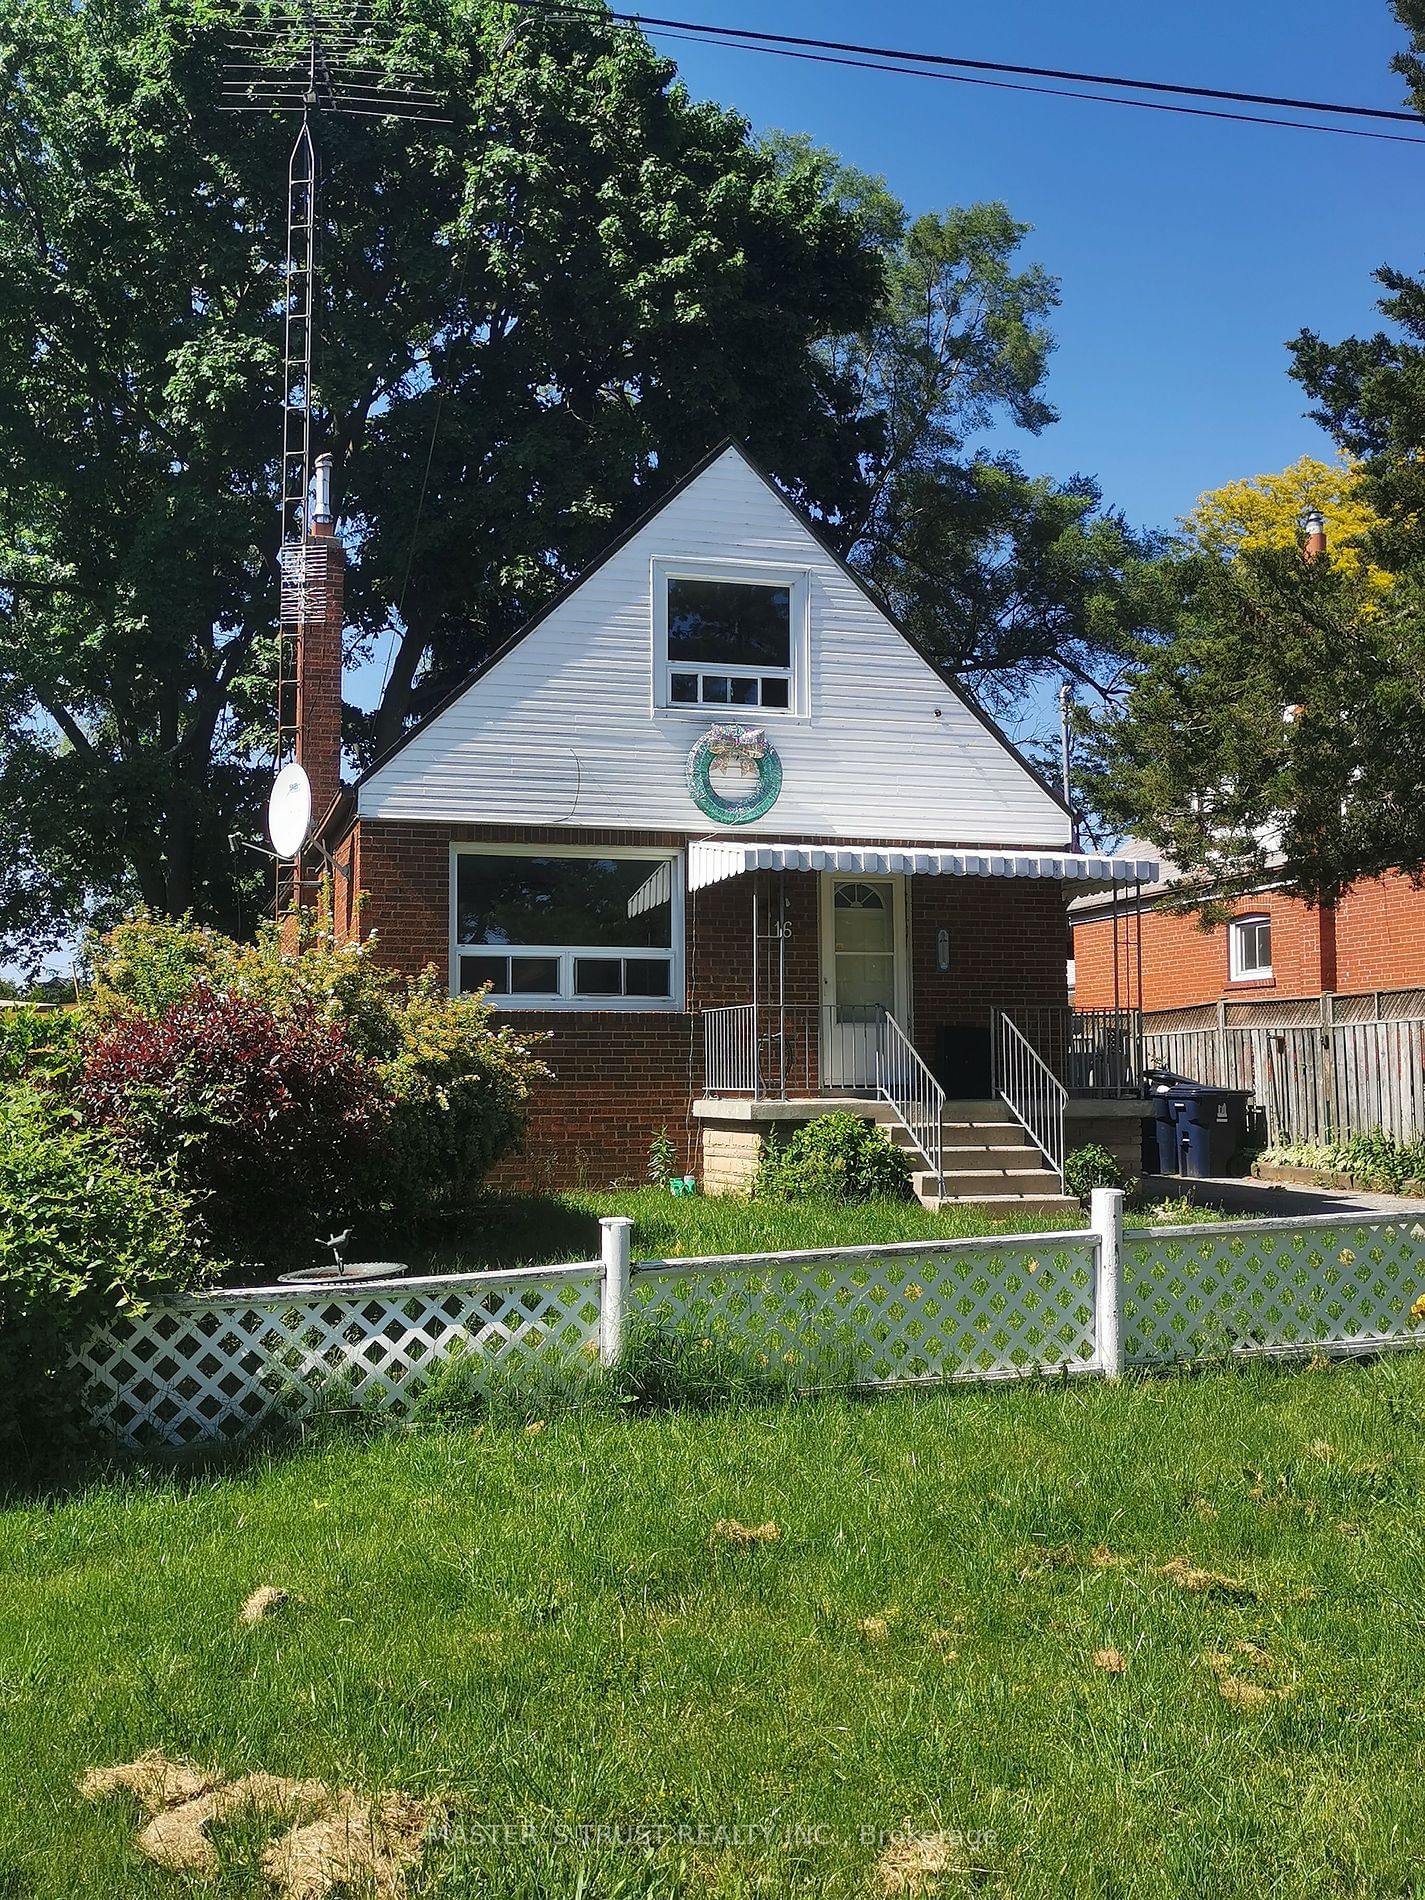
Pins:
<point x="1315" y="1082"/>
<point x="1006" y="1306"/>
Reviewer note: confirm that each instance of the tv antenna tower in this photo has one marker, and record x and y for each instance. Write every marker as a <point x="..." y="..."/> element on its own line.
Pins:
<point x="308" y="58"/>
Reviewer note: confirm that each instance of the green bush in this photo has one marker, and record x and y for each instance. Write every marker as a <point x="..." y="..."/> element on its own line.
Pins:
<point x="447" y="1088"/>
<point x="838" y="1157"/>
<point x="662" y="1159"/>
<point x="37" y="1042"/>
<point x="83" y="1239"/>
<point x="459" y="1087"/>
<point x="1091" y="1167"/>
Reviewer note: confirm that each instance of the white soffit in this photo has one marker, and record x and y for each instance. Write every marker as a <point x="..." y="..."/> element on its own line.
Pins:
<point x="711" y="860"/>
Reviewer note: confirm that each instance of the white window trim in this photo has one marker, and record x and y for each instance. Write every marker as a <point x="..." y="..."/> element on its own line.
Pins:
<point x="797" y="580"/>
<point x="670" y="1005"/>
<point x="1236" y="930"/>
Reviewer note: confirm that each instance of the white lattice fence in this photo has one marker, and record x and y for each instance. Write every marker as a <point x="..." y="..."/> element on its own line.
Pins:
<point x="887" y="1315"/>
<point x="922" y="1312"/>
<point x="215" y="1368"/>
<point x="1343" y="1281"/>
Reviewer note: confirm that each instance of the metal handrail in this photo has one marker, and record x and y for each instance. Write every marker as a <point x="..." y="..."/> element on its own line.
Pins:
<point x="781" y="1051"/>
<point x="918" y="1100"/>
<point x="1031" y="1092"/>
<point x="1094" y="1052"/>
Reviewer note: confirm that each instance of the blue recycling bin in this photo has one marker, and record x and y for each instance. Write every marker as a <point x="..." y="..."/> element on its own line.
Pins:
<point x="1211" y="1126"/>
<point x="1160" y="1136"/>
<point x="1165" y="1131"/>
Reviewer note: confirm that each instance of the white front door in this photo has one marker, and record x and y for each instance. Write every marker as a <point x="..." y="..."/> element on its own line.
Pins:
<point x="862" y="973"/>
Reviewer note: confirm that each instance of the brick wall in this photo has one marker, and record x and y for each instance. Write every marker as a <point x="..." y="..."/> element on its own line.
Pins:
<point x="620" y="1076"/>
<point x="1008" y="949"/>
<point x="1373" y="939"/>
<point x="1380" y="936"/>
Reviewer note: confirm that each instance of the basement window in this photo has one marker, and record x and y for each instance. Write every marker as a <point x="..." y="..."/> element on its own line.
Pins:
<point x="728" y="639"/>
<point x="567" y="929"/>
<point x="1250" y="949"/>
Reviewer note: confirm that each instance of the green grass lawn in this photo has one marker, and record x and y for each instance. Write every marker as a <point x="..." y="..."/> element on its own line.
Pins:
<point x="534" y="1626"/>
<point x="538" y="1229"/>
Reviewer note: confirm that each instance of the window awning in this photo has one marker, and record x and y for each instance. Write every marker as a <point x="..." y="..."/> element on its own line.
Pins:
<point x="711" y="860"/>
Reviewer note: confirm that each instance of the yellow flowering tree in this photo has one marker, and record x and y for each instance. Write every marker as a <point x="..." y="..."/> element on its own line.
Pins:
<point x="1267" y="512"/>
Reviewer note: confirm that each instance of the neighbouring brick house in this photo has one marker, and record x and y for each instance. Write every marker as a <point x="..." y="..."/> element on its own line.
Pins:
<point x="713" y="824"/>
<point x="1136" y="952"/>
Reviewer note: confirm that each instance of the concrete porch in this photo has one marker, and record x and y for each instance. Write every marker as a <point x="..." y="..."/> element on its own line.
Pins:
<point x="986" y="1157"/>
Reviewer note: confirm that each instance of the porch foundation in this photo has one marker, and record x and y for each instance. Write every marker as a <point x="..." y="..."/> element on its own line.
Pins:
<point x="735" y="1131"/>
<point x="1115" y="1125"/>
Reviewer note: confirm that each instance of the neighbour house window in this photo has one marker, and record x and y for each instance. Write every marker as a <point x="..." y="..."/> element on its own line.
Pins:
<point x="728" y="642"/>
<point x="566" y="929"/>
<point x="1250" y="948"/>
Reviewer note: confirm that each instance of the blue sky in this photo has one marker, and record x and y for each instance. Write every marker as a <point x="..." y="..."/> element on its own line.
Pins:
<point x="1188" y="250"/>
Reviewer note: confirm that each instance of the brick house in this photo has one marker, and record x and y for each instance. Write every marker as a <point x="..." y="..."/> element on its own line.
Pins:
<point x="713" y="824"/>
<point x="1136" y="953"/>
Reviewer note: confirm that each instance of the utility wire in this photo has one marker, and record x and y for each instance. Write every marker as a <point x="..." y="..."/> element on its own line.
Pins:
<point x="1048" y="92"/>
<point x="946" y="66"/>
<point x="1002" y="66"/>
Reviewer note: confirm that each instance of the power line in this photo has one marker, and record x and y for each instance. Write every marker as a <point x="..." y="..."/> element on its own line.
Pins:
<point x="1047" y="92"/>
<point x="964" y="71"/>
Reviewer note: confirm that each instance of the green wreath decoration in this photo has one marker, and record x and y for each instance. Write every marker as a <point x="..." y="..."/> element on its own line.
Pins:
<point x="747" y="745"/>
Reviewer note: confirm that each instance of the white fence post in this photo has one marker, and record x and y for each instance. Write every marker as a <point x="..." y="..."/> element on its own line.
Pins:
<point x="617" y="1251"/>
<point x="1106" y="1220"/>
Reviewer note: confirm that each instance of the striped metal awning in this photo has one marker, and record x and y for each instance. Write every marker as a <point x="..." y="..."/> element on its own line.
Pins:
<point x="711" y="860"/>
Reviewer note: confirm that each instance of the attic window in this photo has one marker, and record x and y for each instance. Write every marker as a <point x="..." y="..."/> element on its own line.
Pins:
<point x="724" y="640"/>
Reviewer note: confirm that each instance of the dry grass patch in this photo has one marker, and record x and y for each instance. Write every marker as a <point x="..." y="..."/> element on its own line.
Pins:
<point x="342" y="1841"/>
<point x="1187" y="1576"/>
<point x="263" y="1603"/>
<point x="914" y="1863"/>
<point x="362" y="1844"/>
<point x="737" y="1536"/>
<point x="1242" y="1691"/>
<point x="1112" y="1662"/>
<point x="154" y="1781"/>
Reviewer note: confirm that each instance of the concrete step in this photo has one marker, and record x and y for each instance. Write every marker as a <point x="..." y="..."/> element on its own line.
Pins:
<point x="969" y="1111"/>
<point x="1048" y="1203"/>
<point x="990" y="1154"/>
<point x="989" y="1139"/>
<point x="1028" y="1177"/>
<point x="969" y="1184"/>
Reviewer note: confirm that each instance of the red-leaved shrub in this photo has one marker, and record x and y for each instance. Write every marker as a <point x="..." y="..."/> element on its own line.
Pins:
<point x="268" y="1117"/>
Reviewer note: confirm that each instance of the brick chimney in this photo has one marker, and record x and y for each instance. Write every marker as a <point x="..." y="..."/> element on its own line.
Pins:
<point x="319" y="651"/>
<point x="1315" y="530"/>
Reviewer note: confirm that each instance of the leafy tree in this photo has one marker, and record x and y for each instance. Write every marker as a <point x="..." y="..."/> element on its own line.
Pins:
<point x="535" y="316"/>
<point x="1370" y="391"/>
<point x="533" y="319"/>
<point x="998" y="575"/>
<point x="1276" y="723"/>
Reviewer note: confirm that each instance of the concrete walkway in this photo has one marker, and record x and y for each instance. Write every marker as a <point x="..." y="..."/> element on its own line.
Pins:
<point x="1271" y="1200"/>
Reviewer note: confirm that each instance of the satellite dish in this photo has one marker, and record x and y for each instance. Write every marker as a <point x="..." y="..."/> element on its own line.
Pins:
<point x="289" y="811"/>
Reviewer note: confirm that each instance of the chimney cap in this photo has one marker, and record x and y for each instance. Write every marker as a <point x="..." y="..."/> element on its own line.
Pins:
<point x="322" y="491"/>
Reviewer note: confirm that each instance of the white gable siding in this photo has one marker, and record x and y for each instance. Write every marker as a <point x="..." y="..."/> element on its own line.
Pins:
<point x="561" y="730"/>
